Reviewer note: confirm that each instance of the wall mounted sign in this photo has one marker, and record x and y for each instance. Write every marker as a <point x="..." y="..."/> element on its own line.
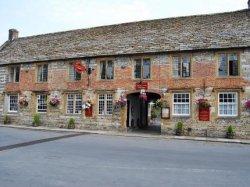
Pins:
<point x="89" y="112"/>
<point x="204" y="114"/>
<point x="165" y="113"/>
<point x="141" y="86"/>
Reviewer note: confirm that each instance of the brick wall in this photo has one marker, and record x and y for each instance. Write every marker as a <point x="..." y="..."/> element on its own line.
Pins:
<point x="203" y="71"/>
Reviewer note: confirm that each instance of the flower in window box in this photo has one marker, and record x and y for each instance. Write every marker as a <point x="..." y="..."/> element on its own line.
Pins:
<point x="54" y="100"/>
<point x="203" y="104"/>
<point x="23" y="101"/>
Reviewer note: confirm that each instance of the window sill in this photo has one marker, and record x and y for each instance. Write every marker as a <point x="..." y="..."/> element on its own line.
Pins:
<point x="182" y="78"/>
<point x="228" y="117"/>
<point x="228" y="77"/>
<point x="181" y="116"/>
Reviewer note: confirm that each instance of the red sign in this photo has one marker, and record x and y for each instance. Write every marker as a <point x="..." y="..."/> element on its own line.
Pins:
<point x="79" y="67"/>
<point x="88" y="112"/>
<point x="204" y="114"/>
<point x="141" y="86"/>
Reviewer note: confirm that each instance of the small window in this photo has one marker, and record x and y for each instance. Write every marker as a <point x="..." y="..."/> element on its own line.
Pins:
<point x="228" y="65"/>
<point x="105" y="104"/>
<point x="42" y="103"/>
<point x="142" y="69"/>
<point x="14" y="74"/>
<point x="181" y="104"/>
<point x="228" y="104"/>
<point x="74" y="104"/>
<point x="73" y="74"/>
<point x="107" y="69"/>
<point x="42" y="73"/>
<point x="13" y="103"/>
<point x="181" y="66"/>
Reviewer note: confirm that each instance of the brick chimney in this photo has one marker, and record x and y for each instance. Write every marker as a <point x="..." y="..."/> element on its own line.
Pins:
<point x="13" y="34"/>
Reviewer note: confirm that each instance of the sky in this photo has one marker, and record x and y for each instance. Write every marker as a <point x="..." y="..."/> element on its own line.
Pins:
<point x="32" y="17"/>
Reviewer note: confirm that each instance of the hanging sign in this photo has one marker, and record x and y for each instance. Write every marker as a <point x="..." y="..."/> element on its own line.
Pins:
<point x="204" y="114"/>
<point x="79" y="67"/>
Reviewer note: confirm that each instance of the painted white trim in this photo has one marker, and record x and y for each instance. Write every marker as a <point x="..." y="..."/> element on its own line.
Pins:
<point x="37" y="104"/>
<point x="181" y="115"/>
<point x="8" y="100"/>
<point x="237" y="104"/>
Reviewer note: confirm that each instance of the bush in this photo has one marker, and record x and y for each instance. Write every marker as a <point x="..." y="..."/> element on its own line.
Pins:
<point x="6" y="119"/>
<point x="179" y="128"/>
<point x="230" y="132"/>
<point x="36" y="120"/>
<point x="153" y="114"/>
<point x="71" y="123"/>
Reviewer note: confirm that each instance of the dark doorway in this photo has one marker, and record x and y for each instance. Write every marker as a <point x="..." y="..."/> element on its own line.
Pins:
<point x="139" y="113"/>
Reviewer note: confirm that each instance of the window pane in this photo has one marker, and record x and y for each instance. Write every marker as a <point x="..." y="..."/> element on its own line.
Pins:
<point x="176" y="67"/>
<point x="103" y="69"/>
<point x="78" y="103"/>
<point x="146" y="68"/>
<point x="101" y="104"/>
<point x="70" y="104"/>
<point x="186" y="67"/>
<point x="110" y="70"/>
<point x="45" y="73"/>
<point x="137" y="71"/>
<point x="227" y="104"/>
<point x="17" y="74"/>
<point x="223" y="65"/>
<point x="42" y="103"/>
<point x="181" y="104"/>
<point x="13" y="103"/>
<point x="233" y="65"/>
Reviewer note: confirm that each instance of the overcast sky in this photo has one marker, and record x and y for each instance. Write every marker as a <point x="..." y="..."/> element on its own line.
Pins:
<point x="32" y="17"/>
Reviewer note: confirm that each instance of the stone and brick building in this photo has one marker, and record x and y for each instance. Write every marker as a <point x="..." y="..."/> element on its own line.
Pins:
<point x="177" y="60"/>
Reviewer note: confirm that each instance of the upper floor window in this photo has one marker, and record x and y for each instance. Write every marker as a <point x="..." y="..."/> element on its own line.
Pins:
<point x="42" y="103"/>
<point x="73" y="74"/>
<point x="14" y="74"/>
<point x="13" y="103"/>
<point x="181" y="66"/>
<point x="42" y="73"/>
<point x="181" y="104"/>
<point x="142" y="69"/>
<point x="107" y="69"/>
<point x="74" y="104"/>
<point x="228" y="65"/>
<point x="228" y="104"/>
<point x="105" y="104"/>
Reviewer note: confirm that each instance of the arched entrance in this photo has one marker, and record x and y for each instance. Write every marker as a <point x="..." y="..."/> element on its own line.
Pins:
<point x="139" y="111"/>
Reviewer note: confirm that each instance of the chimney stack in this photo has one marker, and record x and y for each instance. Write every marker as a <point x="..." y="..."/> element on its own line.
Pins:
<point x="13" y="34"/>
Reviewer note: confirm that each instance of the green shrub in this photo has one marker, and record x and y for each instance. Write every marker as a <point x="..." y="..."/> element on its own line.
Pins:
<point x="230" y="132"/>
<point x="71" y="123"/>
<point x="36" y="120"/>
<point x="6" y="119"/>
<point x="153" y="114"/>
<point x="179" y="128"/>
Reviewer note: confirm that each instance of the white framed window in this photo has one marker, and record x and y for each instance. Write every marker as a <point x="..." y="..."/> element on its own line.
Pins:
<point x="228" y="104"/>
<point x="42" y="103"/>
<point x="181" y="104"/>
<point x="73" y="74"/>
<point x="14" y="74"/>
<point x="13" y="103"/>
<point x="105" y="104"/>
<point x="42" y="73"/>
<point x="74" y="104"/>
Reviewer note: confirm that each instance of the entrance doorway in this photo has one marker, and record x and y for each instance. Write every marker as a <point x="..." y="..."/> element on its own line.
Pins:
<point x="139" y="112"/>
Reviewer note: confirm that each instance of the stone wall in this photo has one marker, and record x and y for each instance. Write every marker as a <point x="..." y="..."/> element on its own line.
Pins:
<point x="203" y="73"/>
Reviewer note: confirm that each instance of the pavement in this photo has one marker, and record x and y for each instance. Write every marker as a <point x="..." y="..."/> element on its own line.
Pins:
<point x="131" y="134"/>
<point x="73" y="158"/>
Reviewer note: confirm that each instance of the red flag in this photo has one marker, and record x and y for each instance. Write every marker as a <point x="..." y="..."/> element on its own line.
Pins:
<point x="79" y="67"/>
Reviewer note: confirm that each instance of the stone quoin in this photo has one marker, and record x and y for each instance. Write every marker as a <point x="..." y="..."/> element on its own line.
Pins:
<point x="106" y="77"/>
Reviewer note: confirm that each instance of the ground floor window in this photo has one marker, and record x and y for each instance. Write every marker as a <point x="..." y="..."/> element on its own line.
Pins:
<point x="105" y="104"/>
<point x="13" y="103"/>
<point x="228" y="104"/>
<point x="42" y="103"/>
<point x="74" y="103"/>
<point x="181" y="104"/>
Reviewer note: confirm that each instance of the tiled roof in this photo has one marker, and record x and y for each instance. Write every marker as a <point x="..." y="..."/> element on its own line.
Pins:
<point x="214" y="31"/>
